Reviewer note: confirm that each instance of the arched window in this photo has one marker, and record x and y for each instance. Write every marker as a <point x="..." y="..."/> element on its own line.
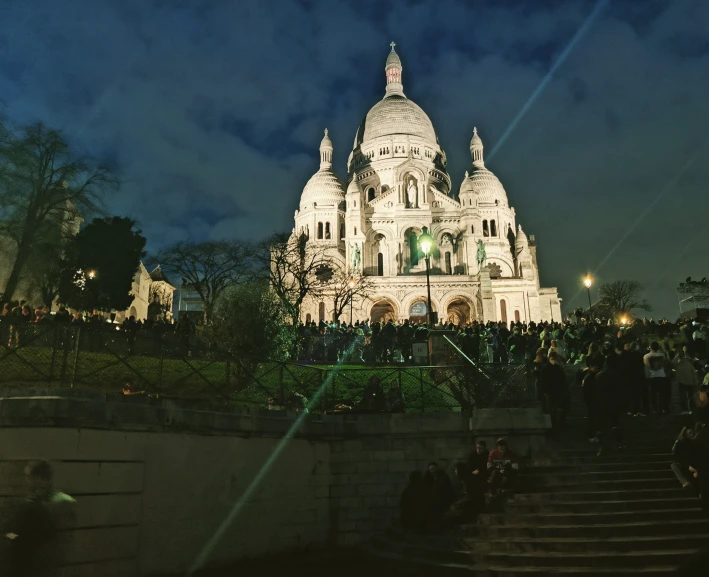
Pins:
<point x="342" y="230"/>
<point x="472" y="229"/>
<point x="413" y="248"/>
<point x="320" y="232"/>
<point x="321" y="311"/>
<point x="380" y="264"/>
<point x="486" y="231"/>
<point x="308" y="318"/>
<point x="493" y="228"/>
<point x="449" y="269"/>
<point x="327" y="231"/>
<point x="503" y="311"/>
<point x="517" y="317"/>
<point x="355" y="230"/>
<point x="370" y="194"/>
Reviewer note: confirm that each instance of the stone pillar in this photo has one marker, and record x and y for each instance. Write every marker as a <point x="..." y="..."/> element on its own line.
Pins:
<point x="488" y="298"/>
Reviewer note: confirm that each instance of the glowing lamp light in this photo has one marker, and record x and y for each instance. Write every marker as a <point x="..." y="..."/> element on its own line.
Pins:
<point x="623" y="320"/>
<point x="587" y="282"/>
<point x="425" y="242"/>
<point x="91" y="274"/>
<point x="351" y="284"/>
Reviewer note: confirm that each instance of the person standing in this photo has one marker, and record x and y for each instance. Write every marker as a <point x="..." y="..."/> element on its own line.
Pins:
<point x="658" y="382"/>
<point x="687" y="381"/>
<point x="556" y="389"/>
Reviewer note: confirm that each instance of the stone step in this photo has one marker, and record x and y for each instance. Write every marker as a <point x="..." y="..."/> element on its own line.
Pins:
<point x="590" y="458"/>
<point x="637" y="529"/>
<point x="423" y="554"/>
<point x="622" y="544"/>
<point x="594" y="467"/>
<point x="602" y="495"/>
<point x="533" y="478"/>
<point x="595" y="517"/>
<point x="516" y="507"/>
<point x="501" y="571"/>
<point x="666" y="482"/>
<point x="615" y="560"/>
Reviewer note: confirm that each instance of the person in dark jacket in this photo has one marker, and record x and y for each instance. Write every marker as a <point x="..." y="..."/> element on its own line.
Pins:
<point x="414" y="505"/>
<point x="556" y="389"/>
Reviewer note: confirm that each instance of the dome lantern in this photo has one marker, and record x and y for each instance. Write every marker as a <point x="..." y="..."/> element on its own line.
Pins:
<point x="326" y="152"/>
<point x="393" y="70"/>
<point x="476" y="149"/>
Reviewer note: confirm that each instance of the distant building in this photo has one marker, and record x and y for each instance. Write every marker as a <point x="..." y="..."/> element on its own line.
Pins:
<point x="187" y="302"/>
<point x="693" y="299"/>
<point x="152" y="296"/>
<point x="483" y="267"/>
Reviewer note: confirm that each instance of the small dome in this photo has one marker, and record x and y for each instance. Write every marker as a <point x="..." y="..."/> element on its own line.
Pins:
<point x="466" y="187"/>
<point x="521" y="241"/>
<point x="353" y="187"/>
<point x="393" y="59"/>
<point x="486" y="186"/>
<point x="326" y="142"/>
<point x="475" y="141"/>
<point x="323" y="188"/>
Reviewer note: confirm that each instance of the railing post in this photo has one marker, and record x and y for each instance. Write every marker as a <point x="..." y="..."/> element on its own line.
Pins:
<point x="423" y="404"/>
<point x="54" y="353"/>
<point x="77" y="340"/>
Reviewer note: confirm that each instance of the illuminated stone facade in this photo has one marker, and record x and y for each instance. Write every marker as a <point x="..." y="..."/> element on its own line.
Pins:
<point x="483" y="266"/>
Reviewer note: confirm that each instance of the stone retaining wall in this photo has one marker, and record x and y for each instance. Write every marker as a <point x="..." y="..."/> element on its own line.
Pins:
<point x="155" y="479"/>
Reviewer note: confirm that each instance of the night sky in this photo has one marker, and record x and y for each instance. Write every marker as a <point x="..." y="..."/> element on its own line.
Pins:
<point x="212" y="111"/>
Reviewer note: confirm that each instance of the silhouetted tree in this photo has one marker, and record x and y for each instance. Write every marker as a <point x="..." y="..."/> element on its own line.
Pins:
<point x="101" y="262"/>
<point x="45" y="187"/>
<point x="620" y="297"/>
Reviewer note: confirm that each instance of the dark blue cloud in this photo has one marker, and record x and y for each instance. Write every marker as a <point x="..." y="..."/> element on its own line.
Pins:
<point x="213" y="111"/>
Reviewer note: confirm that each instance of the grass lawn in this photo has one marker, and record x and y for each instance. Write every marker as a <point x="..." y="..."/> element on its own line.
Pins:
<point x="210" y="379"/>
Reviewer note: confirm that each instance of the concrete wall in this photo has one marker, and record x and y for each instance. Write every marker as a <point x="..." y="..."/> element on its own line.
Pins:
<point x="154" y="480"/>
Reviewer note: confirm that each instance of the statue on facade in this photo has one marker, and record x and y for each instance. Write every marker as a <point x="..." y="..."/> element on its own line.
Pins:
<point x="482" y="255"/>
<point x="356" y="256"/>
<point x="411" y="193"/>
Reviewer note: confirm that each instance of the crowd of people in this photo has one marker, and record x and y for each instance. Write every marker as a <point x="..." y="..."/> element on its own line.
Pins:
<point x="430" y="502"/>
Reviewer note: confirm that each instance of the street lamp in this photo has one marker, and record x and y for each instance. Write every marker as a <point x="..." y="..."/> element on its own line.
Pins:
<point x="91" y="274"/>
<point x="587" y="283"/>
<point x="623" y="320"/>
<point x="351" y="284"/>
<point x="425" y="242"/>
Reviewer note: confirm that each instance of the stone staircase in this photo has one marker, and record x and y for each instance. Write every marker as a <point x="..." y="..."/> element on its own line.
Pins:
<point x="578" y="513"/>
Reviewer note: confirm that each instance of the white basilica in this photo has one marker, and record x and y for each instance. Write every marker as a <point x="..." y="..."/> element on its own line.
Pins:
<point x="483" y="265"/>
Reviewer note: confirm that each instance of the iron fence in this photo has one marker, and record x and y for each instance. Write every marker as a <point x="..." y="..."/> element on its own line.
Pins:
<point x="169" y="364"/>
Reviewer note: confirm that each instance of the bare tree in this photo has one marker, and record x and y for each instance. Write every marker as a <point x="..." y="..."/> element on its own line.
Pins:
<point x="295" y="270"/>
<point x="621" y="297"/>
<point x="161" y="295"/>
<point x="45" y="187"/>
<point x="208" y="268"/>
<point x="347" y="285"/>
<point x="45" y="269"/>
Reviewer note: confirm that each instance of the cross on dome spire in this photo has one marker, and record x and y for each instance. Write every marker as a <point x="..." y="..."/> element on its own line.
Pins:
<point x="393" y="71"/>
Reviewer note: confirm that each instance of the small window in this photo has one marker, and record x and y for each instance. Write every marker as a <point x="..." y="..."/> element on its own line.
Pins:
<point x="308" y="318"/>
<point x="355" y="231"/>
<point x="472" y="229"/>
<point x="320" y="230"/>
<point x="380" y="264"/>
<point x="321" y="311"/>
<point x="449" y="269"/>
<point x="370" y="194"/>
<point x="517" y="317"/>
<point x="327" y="231"/>
<point x="503" y="311"/>
<point x="486" y="231"/>
<point x="493" y="228"/>
<point x="342" y="230"/>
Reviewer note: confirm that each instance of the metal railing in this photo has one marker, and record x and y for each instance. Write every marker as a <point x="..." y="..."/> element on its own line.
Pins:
<point x="170" y="364"/>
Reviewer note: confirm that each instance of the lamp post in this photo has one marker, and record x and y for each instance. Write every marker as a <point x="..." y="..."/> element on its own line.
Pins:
<point x="351" y="284"/>
<point x="587" y="283"/>
<point x="425" y="242"/>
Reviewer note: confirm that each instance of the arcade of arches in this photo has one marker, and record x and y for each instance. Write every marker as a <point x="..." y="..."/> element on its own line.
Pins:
<point x="459" y="311"/>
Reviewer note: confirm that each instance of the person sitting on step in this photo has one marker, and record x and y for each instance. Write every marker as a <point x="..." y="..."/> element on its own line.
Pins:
<point x="503" y="465"/>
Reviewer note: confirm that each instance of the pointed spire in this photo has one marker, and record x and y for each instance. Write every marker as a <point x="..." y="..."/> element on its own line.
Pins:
<point x="326" y="152"/>
<point x="393" y="70"/>
<point x="476" y="149"/>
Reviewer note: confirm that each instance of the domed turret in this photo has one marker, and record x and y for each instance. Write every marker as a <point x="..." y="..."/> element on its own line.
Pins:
<point x="521" y="241"/>
<point x="393" y="70"/>
<point x="483" y="182"/>
<point x="324" y="187"/>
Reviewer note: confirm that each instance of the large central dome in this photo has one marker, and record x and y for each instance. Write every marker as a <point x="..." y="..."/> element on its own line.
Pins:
<point x="396" y="114"/>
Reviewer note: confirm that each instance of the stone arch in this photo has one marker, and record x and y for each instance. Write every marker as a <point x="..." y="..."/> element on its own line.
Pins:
<point x="506" y="265"/>
<point x="452" y="300"/>
<point x="383" y="309"/>
<point x="411" y="253"/>
<point x="378" y="241"/>
<point x="416" y="298"/>
<point x="133" y="313"/>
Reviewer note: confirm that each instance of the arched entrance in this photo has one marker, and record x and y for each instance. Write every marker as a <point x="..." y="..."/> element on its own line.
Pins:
<point x="458" y="311"/>
<point x="418" y="311"/>
<point x="382" y="312"/>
